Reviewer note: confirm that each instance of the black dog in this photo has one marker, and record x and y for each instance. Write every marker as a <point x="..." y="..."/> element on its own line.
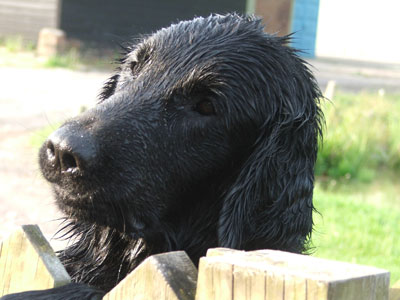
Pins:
<point x="206" y="136"/>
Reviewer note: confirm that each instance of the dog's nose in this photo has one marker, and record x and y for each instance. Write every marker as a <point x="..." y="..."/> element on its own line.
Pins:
<point x="70" y="150"/>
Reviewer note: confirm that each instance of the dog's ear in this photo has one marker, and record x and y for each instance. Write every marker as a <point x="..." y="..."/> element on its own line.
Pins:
<point x="269" y="203"/>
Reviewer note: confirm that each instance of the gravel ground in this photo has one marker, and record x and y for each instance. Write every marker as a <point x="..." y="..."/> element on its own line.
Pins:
<point x="354" y="76"/>
<point x="31" y="98"/>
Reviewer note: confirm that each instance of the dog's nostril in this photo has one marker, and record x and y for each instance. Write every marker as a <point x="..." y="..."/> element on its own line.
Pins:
<point x="51" y="153"/>
<point x="70" y="150"/>
<point x="68" y="161"/>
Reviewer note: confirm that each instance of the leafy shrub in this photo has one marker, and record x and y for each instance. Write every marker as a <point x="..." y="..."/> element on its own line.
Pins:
<point x="362" y="137"/>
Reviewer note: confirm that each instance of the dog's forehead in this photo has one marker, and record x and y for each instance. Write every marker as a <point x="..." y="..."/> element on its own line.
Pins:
<point x="207" y="37"/>
<point x="200" y="47"/>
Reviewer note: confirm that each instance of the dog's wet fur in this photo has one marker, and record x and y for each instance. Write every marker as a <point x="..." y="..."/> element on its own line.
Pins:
<point x="206" y="136"/>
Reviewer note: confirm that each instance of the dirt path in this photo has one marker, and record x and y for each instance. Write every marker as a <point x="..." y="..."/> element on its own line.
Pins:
<point x="31" y="99"/>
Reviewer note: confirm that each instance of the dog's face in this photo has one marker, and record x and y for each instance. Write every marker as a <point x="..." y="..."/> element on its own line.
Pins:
<point x="182" y="114"/>
<point x="163" y="125"/>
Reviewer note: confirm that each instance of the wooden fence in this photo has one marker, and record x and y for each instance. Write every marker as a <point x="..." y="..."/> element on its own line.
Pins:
<point x="27" y="262"/>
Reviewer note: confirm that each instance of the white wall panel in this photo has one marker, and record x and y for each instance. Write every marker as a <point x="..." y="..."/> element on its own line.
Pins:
<point x="359" y="29"/>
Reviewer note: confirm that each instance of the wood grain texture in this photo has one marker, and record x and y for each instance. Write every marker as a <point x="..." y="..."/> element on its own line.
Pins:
<point x="271" y="275"/>
<point x="168" y="276"/>
<point x="27" y="262"/>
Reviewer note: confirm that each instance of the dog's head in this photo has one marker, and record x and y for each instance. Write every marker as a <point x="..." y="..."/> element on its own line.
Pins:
<point x="211" y="110"/>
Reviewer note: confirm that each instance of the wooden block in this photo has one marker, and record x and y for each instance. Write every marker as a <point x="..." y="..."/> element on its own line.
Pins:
<point x="51" y="41"/>
<point x="27" y="262"/>
<point x="167" y="276"/>
<point x="271" y="275"/>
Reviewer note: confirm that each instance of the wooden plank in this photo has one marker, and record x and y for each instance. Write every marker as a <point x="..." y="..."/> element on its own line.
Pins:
<point x="249" y="283"/>
<point x="168" y="276"/>
<point x="205" y="288"/>
<point x="295" y="287"/>
<point x="288" y="276"/>
<point x="222" y="276"/>
<point x="27" y="262"/>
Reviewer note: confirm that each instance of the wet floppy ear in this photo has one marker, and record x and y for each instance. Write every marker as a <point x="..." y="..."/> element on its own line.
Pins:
<point x="269" y="203"/>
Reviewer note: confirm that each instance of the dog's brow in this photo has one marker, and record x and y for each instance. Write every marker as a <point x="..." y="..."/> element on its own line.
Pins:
<point x="197" y="78"/>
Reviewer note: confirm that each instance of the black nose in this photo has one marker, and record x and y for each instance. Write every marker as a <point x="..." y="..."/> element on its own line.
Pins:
<point x="69" y="150"/>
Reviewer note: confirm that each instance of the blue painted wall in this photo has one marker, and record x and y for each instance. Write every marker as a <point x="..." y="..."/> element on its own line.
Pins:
<point x="304" y="26"/>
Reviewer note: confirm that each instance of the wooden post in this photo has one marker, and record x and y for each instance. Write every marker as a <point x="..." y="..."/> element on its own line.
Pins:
<point x="27" y="262"/>
<point x="167" y="276"/>
<point x="271" y="275"/>
<point x="330" y="89"/>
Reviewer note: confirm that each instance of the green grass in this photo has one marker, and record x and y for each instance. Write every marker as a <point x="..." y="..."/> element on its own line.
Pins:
<point x="68" y="60"/>
<point x="358" y="227"/>
<point x="362" y="138"/>
<point x="16" y="44"/>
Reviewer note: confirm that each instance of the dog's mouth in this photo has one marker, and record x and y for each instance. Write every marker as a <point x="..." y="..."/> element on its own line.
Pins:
<point x="85" y="206"/>
<point x="94" y="207"/>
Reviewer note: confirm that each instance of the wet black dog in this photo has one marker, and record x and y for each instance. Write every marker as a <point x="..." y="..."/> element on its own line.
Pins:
<point x="206" y="136"/>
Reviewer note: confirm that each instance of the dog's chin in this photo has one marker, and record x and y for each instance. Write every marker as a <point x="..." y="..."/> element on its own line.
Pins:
<point x="84" y="207"/>
<point x="92" y="209"/>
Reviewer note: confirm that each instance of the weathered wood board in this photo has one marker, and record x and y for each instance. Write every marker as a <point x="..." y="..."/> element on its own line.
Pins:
<point x="167" y="276"/>
<point x="270" y="275"/>
<point x="27" y="262"/>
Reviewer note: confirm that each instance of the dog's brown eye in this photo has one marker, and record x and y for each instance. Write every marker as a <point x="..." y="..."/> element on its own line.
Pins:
<point x="146" y="57"/>
<point x="205" y="107"/>
<point x="132" y="66"/>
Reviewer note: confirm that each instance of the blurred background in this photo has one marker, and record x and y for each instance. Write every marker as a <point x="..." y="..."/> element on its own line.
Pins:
<point x="56" y="54"/>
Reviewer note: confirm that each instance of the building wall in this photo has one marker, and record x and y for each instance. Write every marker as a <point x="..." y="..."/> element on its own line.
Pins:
<point x="277" y="15"/>
<point x="110" y="22"/>
<point x="304" y="25"/>
<point x="27" y="17"/>
<point x="103" y="21"/>
<point x="359" y="29"/>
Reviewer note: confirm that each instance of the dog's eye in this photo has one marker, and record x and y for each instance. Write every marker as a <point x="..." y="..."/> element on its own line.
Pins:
<point x="132" y="66"/>
<point x="205" y="107"/>
<point x="145" y="57"/>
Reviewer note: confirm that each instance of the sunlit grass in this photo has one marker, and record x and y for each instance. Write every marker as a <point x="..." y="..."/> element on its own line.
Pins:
<point x="357" y="227"/>
<point x="68" y="60"/>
